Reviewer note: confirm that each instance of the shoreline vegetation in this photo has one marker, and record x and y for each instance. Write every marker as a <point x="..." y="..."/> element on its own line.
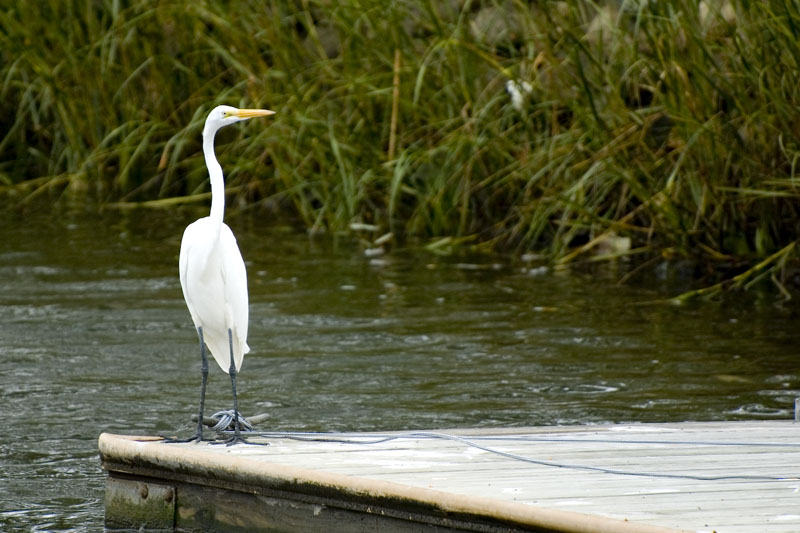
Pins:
<point x="566" y="132"/>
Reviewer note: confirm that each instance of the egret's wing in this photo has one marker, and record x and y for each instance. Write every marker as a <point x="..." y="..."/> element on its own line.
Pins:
<point x="236" y="299"/>
<point x="188" y="246"/>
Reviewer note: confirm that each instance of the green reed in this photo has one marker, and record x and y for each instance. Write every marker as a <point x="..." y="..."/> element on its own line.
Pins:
<point x="656" y="129"/>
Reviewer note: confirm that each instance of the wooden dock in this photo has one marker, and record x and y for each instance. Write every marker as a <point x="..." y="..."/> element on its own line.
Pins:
<point x="720" y="476"/>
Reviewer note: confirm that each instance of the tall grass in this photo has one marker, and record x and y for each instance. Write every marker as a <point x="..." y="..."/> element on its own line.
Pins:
<point x="657" y="129"/>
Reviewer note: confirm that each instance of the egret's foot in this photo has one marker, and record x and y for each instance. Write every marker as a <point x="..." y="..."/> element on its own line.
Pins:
<point x="236" y="439"/>
<point x="239" y="439"/>
<point x="174" y="440"/>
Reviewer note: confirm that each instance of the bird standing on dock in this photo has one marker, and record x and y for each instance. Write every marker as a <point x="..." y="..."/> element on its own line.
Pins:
<point x="213" y="275"/>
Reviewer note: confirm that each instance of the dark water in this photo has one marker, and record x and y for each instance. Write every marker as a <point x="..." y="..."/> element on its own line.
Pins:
<point x="95" y="337"/>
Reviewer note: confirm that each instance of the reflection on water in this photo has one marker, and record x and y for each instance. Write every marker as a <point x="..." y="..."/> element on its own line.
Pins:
<point x="95" y="337"/>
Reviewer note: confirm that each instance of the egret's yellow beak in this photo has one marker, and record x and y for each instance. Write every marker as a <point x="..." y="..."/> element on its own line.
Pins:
<point x="250" y="113"/>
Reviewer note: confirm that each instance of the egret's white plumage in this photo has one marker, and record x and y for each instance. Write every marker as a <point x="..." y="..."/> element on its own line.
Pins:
<point x="212" y="271"/>
<point x="214" y="282"/>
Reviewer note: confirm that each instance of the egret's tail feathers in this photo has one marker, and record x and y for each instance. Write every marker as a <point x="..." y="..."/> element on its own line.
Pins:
<point x="220" y="349"/>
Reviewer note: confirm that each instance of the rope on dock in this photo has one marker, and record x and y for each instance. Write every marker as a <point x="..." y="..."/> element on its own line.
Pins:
<point x="345" y="438"/>
<point x="222" y="423"/>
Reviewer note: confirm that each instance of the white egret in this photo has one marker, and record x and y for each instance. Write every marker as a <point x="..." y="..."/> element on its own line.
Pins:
<point x="213" y="275"/>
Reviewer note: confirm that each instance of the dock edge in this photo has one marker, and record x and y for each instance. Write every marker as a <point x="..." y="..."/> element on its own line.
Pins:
<point x="158" y="486"/>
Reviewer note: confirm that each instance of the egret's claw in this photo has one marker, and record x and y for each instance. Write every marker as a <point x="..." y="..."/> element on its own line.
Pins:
<point x="175" y="440"/>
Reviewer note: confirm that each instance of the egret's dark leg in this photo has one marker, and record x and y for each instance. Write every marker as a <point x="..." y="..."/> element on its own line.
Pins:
<point x="203" y="382"/>
<point x="237" y="437"/>
<point x="198" y="436"/>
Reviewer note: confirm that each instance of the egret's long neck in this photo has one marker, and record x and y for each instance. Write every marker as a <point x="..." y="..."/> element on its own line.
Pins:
<point x="215" y="173"/>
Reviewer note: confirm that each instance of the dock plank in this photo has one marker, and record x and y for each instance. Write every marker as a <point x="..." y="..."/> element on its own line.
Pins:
<point x="759" y="462"/>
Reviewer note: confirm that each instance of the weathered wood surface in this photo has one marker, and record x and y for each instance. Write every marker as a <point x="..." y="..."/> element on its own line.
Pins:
<point x="759" y="461"/>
